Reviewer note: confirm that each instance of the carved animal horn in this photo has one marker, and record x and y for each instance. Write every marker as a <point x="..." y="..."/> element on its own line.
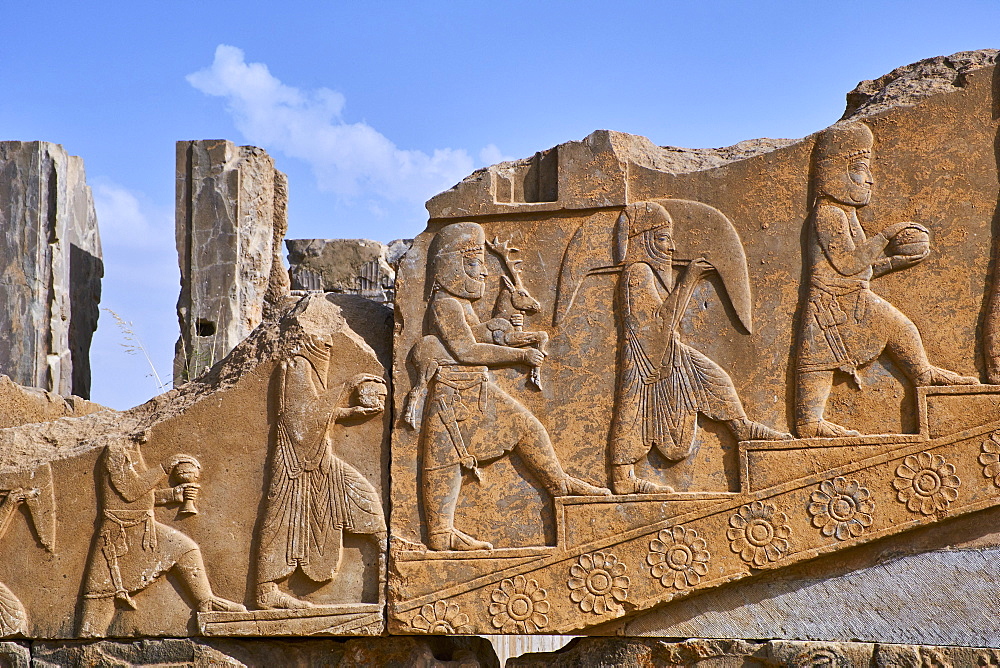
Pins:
<point x="589" y="249"/>
<point x="505" y="252"/>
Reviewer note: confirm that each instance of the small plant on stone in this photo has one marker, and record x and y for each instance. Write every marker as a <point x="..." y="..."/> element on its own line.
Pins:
<point x="133" y="346"/>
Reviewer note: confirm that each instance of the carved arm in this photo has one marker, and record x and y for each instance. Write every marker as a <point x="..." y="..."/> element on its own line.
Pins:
<point x="458" y="337"/>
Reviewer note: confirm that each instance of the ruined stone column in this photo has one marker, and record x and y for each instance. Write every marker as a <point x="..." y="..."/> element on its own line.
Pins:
<point x="50" y="261"/>
<point x="230" y="221"/>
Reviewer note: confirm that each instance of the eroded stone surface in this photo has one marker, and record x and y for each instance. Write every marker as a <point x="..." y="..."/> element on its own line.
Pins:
<point x="615" y="652"/>
<point x="767" y="354"/>
<point x="352" y="266"/>
<point x="23" y="405"/>
<point x="403" y="652"/>
<point x="173" y="518"/>
<point x="230" y="221"/>
<point x="50" y="252"/>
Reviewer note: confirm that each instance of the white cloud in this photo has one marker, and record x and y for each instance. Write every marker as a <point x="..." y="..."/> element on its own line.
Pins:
<point x="126" y="221"/>
<point x="349" y="159"/>
<point x="491" y="155"/>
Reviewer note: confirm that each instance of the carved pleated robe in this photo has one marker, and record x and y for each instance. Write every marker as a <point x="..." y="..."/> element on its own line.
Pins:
<point x="662" y="383"/>
<point x="314" y="496"/>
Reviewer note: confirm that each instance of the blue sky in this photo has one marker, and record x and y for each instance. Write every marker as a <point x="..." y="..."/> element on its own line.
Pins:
<point x="371" y="108"/>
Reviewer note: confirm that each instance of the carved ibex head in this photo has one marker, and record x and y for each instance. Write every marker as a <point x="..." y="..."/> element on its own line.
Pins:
<point x="520" y="298"/>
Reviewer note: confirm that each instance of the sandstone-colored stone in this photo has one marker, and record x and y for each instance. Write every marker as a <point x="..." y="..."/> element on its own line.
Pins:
<point x="404" y="652"/>
<point x="352" y="266"/>
<point x="642" y="386"/>
<point x="50" y="258"/>
<point x="628" y="652"/>
<point x="15" y="655"/>
<point x="266" y="476"/>
<point x="24" y="405"/>
<point x="638" y="391"/>
<point x="231" y="217"/>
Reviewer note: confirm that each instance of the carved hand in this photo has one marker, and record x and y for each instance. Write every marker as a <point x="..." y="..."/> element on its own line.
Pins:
<point x="697" y="268"/>
<point x="187" y="491"/>
<point x="17" y="495"/>
<point x="358" y="411"/>
<point x="517" y="319"/>
<point x="903" y="261"/>
<point x="533" y="356"/>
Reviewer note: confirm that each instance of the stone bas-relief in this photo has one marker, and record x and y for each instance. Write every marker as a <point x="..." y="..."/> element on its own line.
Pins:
<point x="314" y="495"/>
<point x="691" y="310"/>
<point x="599" y="358"/>
<point x="250" y="502"/>
<point x="661" y="384"/>
<point x="463" y="417"/>
<point x="844" y="324"/>
<point x="131" y="549"/>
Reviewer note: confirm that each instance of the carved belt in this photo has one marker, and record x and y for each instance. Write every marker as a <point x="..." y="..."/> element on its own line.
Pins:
<point x="452" y="410"/>
<point x="115" y="539"/>
<point x="829" y="315"/>
<point x="462" y="380"/>
<point x="828" y="310"/>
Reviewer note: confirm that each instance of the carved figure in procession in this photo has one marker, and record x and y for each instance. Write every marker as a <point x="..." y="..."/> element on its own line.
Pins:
<point x="843" y="324"/>
<point x="468" y="419"/>
<point x="662" y="383"/>
<point x="314" y="496"/>
<point x="34" y="490"/>
<point x="131" y="549"/>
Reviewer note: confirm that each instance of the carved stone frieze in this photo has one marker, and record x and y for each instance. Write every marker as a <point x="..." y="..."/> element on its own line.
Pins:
<point x="628" y="389"/>
<point x="768" y="357"/>
<point x="249" y="503"/>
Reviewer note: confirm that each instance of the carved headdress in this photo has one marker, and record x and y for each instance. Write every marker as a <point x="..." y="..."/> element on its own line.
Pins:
<point x="447" y="251"/>
<point x="635" y="220"/>
<point x="844" y="142"/>
<point x="606" y="242"/>
<point x="836" y="148"/>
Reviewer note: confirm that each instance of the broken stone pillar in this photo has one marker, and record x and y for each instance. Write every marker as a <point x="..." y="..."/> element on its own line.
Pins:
<point x="230" y="220"/>
<point x="50" y="258"/>
<point x="352" y="266"/>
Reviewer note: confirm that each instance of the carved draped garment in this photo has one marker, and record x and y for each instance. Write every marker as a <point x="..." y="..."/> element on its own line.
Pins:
<point x="844" y="324"/>
<point x="314" y="496"/>
<point x="131" y="549"/>
<point x="662" y="383"/>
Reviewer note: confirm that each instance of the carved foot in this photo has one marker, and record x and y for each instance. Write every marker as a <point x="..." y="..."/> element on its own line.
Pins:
<point x="633" y="485"/>
<point x="453" y="539"/>
<point x="570" y="486"/>
<point x="748" y="430"/>
<point x="269" y="597"/>
<point x="938" y="376"/>
<point x="823" y="429"/>
<point x="219" y="604"/>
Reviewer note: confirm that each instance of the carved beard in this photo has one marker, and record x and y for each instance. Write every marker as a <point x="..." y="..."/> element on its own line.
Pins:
<point x="662" y="263"/>
<point x="462" y="286"/>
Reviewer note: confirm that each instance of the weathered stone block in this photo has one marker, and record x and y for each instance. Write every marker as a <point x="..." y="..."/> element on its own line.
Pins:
<point x="668" y="392"/>
<point x="50" y="259"/>
<point x="198" y="653"/>
<point x="353" y="266"/>
<point x="262" y="485"/>
<point x="231" y="216"/>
